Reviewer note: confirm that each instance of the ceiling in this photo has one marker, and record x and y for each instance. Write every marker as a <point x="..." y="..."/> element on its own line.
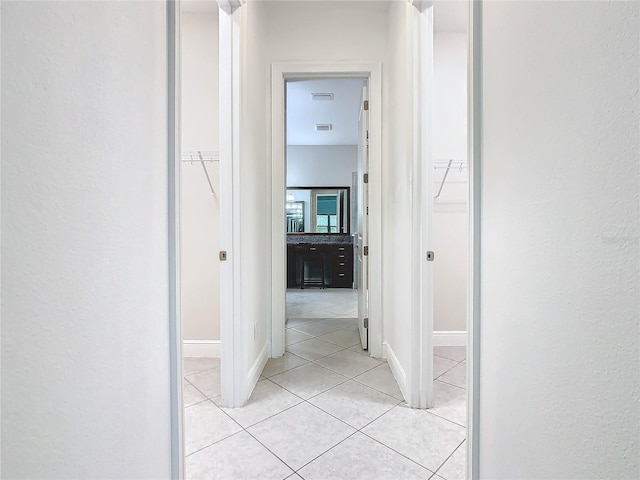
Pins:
<point x="303" y="113"/>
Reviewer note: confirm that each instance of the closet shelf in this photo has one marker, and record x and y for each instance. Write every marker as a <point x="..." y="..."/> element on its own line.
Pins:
<point x="202" y="157"/>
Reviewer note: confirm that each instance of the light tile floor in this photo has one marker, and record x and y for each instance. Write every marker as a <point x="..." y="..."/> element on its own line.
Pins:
<point x="325" y="410"/>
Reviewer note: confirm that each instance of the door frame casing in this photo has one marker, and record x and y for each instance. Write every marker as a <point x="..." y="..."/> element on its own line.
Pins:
<point x="174" y="59"/>
<point x="281" y="72"/>
<point x="233" y="383"/>
<point x="474" y="320"/>
<point x="422" y="208"/>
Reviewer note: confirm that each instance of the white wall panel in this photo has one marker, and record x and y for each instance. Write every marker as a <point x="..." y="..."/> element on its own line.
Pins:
<point x="450" y="222"/>
<point x="321" y="165"/>
<point x="85" y="325"/>
<point x="560" y="277"/>
<point x="200" y="210"/>
<point x="397" y="189"/>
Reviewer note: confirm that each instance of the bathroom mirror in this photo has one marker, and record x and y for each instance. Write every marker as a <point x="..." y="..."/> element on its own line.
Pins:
<point x="318" y="210"/>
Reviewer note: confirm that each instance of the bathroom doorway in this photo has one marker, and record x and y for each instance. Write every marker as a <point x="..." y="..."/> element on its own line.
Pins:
<point x="351" y="155"/>
<point x="323" y="208"/>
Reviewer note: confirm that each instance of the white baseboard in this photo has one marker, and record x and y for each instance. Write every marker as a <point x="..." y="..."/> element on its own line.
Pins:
<point x="258" y="366"/>
<point x="201" y="348"/>
<point x="445" y="338"/>
<point x="394" y="364"/>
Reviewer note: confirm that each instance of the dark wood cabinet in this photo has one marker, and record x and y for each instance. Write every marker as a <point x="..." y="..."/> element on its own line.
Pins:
<point x="342" y="265"/>
<point x="336" y="260"/>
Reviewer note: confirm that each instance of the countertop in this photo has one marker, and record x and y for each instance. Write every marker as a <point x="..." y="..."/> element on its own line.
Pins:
<point x="318" y="238"/>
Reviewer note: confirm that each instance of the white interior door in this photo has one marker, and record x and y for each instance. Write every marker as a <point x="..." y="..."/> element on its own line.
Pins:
<point x="361" y="244"/>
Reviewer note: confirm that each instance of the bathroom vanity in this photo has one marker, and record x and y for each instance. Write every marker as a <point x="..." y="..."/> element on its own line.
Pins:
<point x="319" y="260"/>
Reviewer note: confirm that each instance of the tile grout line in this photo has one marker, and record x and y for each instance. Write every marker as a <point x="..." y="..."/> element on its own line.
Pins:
<point x="428" y="410"/>
<point x="360" y="430"/>
<point x="207" y="397"/>
<point x="249" y="433"/>
<point x="447" y="459"/>
<point x="198" y="403"/>
<point x="212" y="444"/>
<point x="374" y="388"/>
<point x="339" y="329"/>
<point x="452" y="359"/>
<point x="450" y="384"/>
<point x="448" y="370"/>
<point x="325" y="452"/>
<point x="200" y="371"/>
<point x="273" y="453"/>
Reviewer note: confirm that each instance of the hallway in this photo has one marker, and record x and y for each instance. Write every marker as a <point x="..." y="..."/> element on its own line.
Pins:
<point x="325" y="410"/>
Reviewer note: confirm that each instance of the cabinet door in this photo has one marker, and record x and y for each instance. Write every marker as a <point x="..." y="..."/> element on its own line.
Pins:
<point x="292" y="281"/>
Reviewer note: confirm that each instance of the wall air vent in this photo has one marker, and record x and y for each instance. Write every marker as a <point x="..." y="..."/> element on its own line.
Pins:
<point x="322" y="97"/>
<point x="323" y="127"/>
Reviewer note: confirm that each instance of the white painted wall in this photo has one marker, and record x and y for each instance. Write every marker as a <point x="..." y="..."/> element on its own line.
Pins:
<point x="451" y="267"/>
<point x="200" y="210"/>
<point x="560" y="226"/>
<point x="309" y="30"/>
<point x="85" y="332"/>
<point x="321" y="165"/>
<point x="450" y="100"/>
<point x="450" y="220"/>
<point x="255" y="194"/>
<point x="397" y="193"/>
<point x="450" y="113"/>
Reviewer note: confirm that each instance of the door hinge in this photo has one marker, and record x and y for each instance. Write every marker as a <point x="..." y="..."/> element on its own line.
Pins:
<point x="223" y="255"/>
<point x="366" y="323"/>
<point x="430" y="256"/>
<point x="366" y="105"/>
<point x="365" y="178"/>
<point x="365" y="250"/>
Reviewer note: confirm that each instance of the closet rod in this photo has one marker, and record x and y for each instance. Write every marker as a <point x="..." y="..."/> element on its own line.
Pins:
<point x="213" y="192"/>
<point x="443" y="180"/>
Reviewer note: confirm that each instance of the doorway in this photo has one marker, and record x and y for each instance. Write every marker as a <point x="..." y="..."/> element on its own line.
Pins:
<point x="293" y="72"/>
<point x="325" y="160"/>
<point x="293" y="249"/>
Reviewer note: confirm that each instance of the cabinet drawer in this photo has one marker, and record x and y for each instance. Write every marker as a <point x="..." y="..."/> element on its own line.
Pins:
<point x="340" y="249"/>
<point x="342" y="279"/>
<point x="300" y="249"/>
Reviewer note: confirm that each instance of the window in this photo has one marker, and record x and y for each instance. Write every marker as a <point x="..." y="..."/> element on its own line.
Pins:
<point x="327" y="213"/>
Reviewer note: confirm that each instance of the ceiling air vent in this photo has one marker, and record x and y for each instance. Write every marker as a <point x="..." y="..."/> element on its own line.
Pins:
<point x="323" y="127"/>
<point x="322" y="97"/>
